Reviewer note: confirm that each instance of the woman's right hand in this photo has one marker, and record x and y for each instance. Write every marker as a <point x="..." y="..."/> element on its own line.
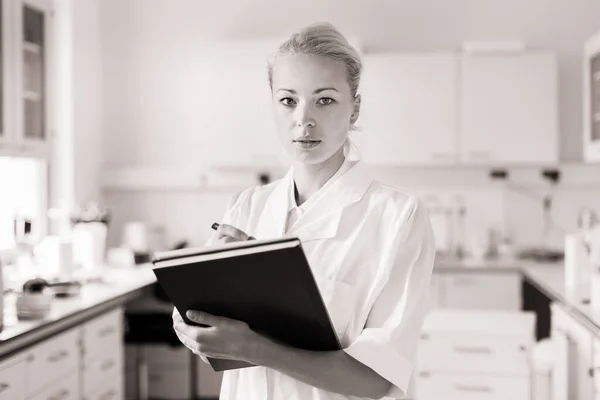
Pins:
<point x="227" y="233"/>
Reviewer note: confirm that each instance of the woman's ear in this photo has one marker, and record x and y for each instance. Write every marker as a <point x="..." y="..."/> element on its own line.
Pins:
<point x="356" y="110"/>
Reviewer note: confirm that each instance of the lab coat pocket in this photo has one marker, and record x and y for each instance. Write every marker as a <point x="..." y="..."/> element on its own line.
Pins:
<point x="339" y="298"/>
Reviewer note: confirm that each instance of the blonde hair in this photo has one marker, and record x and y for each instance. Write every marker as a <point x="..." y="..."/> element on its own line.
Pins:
<point x="322" y="39"/>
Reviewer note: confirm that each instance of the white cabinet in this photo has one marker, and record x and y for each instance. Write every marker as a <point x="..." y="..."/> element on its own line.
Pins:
<point x="51" y="360"/>
<point x="234" y="104"/>
<point x="596" y="368"/>
<point x="409" y="110"/>
<point x="509" y="109"/>
<point x="103" y="353"/>
<point x="480" y="290"/>
<point x="571" y="374"/>
<point x="26" y="106"/>
<point x="12" y="378"/>
<point x="475" y="354"/>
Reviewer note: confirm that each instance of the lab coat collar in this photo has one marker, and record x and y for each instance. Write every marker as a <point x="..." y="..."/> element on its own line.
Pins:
<point x="321" y="220"/>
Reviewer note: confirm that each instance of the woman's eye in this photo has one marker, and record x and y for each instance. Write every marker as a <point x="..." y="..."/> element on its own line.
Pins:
<point x="325" y="101"/>
<point x="287" y="101"/>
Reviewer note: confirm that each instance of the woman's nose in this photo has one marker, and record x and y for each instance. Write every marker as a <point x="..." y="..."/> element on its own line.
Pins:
<point x="304" y="118"/>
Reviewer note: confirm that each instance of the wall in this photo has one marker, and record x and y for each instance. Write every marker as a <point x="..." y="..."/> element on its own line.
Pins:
<point x="149" y="50"/>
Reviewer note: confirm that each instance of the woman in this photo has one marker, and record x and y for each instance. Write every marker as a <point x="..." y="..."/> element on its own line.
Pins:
<point x="371" y="247"/>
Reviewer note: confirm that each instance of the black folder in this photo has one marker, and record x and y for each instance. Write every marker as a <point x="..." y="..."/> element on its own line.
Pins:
<point x="265" y="283"/>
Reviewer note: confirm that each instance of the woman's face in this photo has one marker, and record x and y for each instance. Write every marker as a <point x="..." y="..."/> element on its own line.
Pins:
<point x="313" y="106"/>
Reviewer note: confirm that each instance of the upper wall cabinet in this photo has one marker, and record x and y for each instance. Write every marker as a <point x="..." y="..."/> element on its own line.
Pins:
<point x="409" y="109"/>
<point x="445" y="108"/>
<point x="26" y="67"/>
<point x="509" y="109"/>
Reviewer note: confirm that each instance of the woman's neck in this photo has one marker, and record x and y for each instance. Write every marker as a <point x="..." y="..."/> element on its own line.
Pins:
<point x="309" y="178"/>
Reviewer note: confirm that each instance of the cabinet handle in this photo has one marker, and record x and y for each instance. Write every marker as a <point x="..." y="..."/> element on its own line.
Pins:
<point x="107" y="365"/>
<point x="437" y="155"/>
<point x="106" y="331"/>
<point x="108" y="395"/>
<point x="58" y="356"/>
<point x="464" y="281"/>
<point x="470" y="388"/>
<point x="63" y="393"/>
<point x="472" y="350"/>
<point x="3" y="387"/>
<point x="479" y="155"/>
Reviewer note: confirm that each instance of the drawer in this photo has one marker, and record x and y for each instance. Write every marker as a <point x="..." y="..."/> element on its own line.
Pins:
<point x="467" y="352"/>
<point x="488" y="291"/>
<point x="179" y="356"/>
<point x="66" y="389"/>
<point x="169" y="383"/>
<point x="101" y="370"/>
<point x="12" y="378"/>
<point x="596" y="361"/>
<point x="111" y="389"/>
<point x="102" y="334"/>
<point x="51" y="360"/>
<point x="208" y="382"/>
<point x="471" y="387"/>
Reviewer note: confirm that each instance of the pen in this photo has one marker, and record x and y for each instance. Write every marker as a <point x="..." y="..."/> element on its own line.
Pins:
<point x="215" y="226"/>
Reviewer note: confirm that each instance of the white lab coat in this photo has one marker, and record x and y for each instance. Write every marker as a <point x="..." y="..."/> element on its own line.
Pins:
<point x="371" y="249"/>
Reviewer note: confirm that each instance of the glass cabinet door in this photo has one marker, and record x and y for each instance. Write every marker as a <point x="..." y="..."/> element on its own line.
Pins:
<point x="34" y="49"/>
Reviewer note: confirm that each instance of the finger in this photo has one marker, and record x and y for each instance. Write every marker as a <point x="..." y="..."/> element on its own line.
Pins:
<point x="228" y="230"/>
<point x="205" y="318"/>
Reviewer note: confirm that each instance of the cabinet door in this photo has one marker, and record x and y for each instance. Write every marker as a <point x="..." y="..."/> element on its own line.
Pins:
<point x="12" y="378"/>
<point x="579" y="381"/>
<point x="509" y="109"/>
<point x="235" y="104"/>
<point x="408" y="109"/>
<point x="472" y="290"/>
<point x="596" y="368"/>
<point x="33" y="61"/>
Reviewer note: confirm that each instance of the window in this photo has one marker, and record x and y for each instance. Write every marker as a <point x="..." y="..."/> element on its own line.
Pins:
<point x="23" y="191"/>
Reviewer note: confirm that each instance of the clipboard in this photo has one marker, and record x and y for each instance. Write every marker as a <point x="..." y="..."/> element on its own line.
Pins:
<point x="266" y="283"/>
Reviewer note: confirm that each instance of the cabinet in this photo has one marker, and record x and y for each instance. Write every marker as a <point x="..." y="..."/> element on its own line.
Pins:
<point x="234" y="100"/>
<point x="467" y="354"/>
<point x="409" y="110"/>
<point x="448" y="108"/>
<point x="571" y="375"/>
<point x="509" y="109"/>
<point x="26" y="57"/>
<point x="84" y="362"/>
<point x="478" y="290"/>
<point x="596" y="368"/>
<point x="12" y="378"/>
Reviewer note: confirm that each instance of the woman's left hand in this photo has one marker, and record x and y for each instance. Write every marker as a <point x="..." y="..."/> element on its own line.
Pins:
<point x="224" y="338"/>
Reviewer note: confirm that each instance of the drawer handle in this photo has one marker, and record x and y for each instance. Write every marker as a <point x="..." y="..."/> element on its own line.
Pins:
<point x="472" y="350"/>
<point x="56" y="357"/>
<point x="469" y="388"/>
<point x="106" y="331"/>
<point x="107" y="365"/>
<point x="61" y="354"/>
<point x="3" y="387"/>
<point x="479" y="155"/>
<point x="63" y="393"/>
<point x="108" y="395"/>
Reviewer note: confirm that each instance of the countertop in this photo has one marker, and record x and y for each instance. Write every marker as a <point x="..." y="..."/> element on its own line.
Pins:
<point x="550" y="279"/>
<point x="116" y="287"/>
<point x="547" y="277"/>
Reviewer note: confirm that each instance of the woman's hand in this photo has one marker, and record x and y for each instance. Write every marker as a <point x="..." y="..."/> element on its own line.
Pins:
<point x="227" y="233"/>
<point x="224" y="338"/>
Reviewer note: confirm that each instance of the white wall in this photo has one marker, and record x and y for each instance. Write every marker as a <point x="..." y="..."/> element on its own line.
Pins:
<point x="149" y="49"/>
